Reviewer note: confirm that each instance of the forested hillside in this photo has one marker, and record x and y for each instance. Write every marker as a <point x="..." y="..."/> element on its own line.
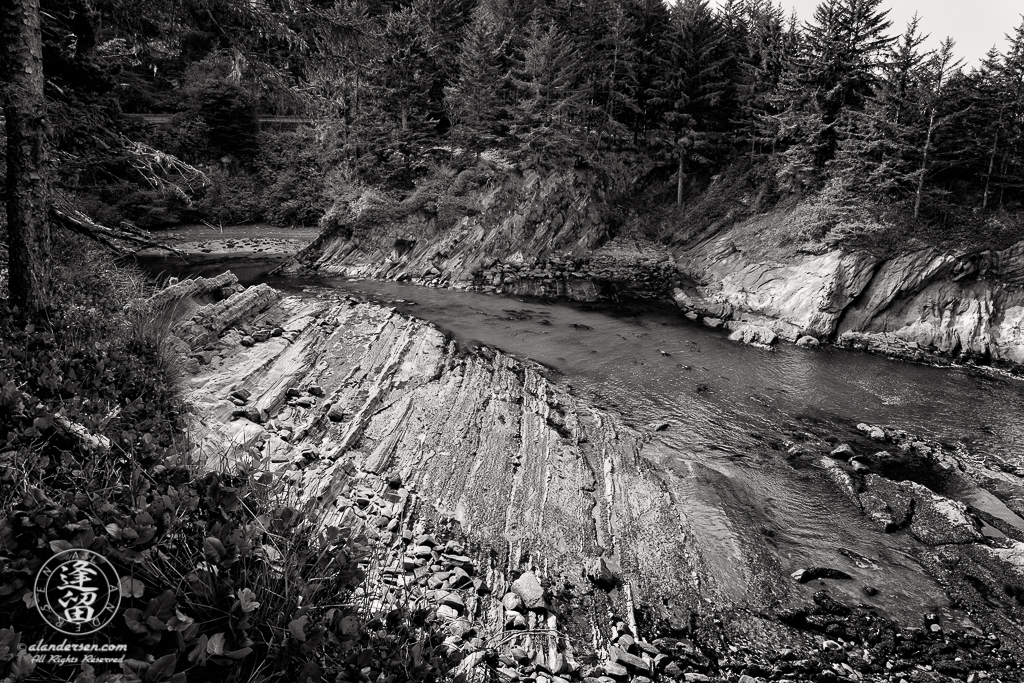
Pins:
<point x="841" y="107"/>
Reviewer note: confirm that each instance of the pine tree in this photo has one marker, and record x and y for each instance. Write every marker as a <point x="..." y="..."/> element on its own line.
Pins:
<point x="766" y="56"/>
<point x="835" y="73"/>
<point x="879" y="152"/>
<point x="936" y="107"/>
<point x="693" y="86"/>
<point x="477" y="101"/>
<point x="403" y="67"/>
<point x="553" y="100"/>
<point x="651" y="22"/>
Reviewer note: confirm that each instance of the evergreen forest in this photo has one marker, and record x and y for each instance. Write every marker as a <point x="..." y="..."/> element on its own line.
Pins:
<point x="841" y="105"/>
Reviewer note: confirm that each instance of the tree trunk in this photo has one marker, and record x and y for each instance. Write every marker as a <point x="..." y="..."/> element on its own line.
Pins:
<point x="924" y="165"/>
<point x="679" y="182"/>
<point x="991" y="167"/>
<point x="24" y="109"/>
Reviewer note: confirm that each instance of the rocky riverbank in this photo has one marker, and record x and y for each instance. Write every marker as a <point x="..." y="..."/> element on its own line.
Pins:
<point x="555" y="235"/>
<point x="550" y="547"/>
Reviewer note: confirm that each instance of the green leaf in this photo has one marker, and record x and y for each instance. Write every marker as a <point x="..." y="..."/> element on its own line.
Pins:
<point x="131" y="587"/>
<point x="216" y="644"/>
<point x="162" y="669"/>
<point x="213" y="550"/>
<point x="134" y="619"/>
<point x="238" y="654"/>
<point x="297" y="627"/>
<point x="59" y="546"/>
<point x="198" y="653"/>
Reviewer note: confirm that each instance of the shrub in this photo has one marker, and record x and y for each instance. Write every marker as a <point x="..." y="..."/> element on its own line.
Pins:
<point x="222" y="577"/>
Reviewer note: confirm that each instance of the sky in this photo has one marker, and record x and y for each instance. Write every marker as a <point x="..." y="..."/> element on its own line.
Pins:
<point x="975" y="25"/>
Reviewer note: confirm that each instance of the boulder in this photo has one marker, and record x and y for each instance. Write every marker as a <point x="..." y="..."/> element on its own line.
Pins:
<point x="754" y="335"/>
<point x="513" y="602"/>
<point x="933" y="519"/>
<point x="843" y="451"/>
<point x="808" y="342"/>
<point x="528" y="588"/>
<point x="631" y="662"/>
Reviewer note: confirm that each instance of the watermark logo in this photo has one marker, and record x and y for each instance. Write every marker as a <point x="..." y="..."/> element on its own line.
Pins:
<point x="77" y="592"/>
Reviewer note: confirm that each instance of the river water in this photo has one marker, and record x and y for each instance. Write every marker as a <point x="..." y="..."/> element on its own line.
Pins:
<point x="727" y="412"/>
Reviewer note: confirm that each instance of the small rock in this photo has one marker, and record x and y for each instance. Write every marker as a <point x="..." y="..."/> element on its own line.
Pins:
<point x="242" y="395"/>
<point x="869" y="591"/>
<point x="808" y="342"/>
<point x="672" y="670"/>
<point x="812" y="573"/>
<point x="513" y="602"/>
<point x="336" y="413"/>
<point x="520" y="655"/>
<point x="627" y="643"/>
<point x="876" y="433"/>
<point x="425" y="539"/>
<point x="247" y="341"/>
<point x="454" y="601"/>
<point x="529" y="589"/>
<point x="632" y="662"/>
<point x="514" y="620"/>
<point x="692" y="677"/>
<point x="616" y="670"/>
<point x="447" y="612"/>
<point x="604" y="571"/>
<point x="315" y="390"/>
<point x="843" y="451"/>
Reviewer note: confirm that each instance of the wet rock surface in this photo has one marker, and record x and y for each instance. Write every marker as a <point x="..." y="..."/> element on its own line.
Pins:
<point x="498" y="498"/>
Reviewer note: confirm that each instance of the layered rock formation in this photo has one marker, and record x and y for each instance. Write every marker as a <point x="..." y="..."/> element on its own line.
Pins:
<point x="363" y="413"/>
<point x="554" y="235"/>
<point x="920" y="305"/>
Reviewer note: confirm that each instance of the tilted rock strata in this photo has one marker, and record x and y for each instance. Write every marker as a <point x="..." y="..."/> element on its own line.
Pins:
<point x="548" y="235"/>
<point x="920" y="305"/>
<point x="336" y="397"/>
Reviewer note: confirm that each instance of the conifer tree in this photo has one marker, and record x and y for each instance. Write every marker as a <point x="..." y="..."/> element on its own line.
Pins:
<point x="477" y="101"/>
<point x="693" y="86"/>
<point x="879" y="152"/>
<point x="553" y="101"/>
<point x="835" y="73"/>
<point x="765" y="57"/>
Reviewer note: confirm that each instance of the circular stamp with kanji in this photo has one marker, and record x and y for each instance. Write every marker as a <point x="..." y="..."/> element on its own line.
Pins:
<point x="77" y="592"/>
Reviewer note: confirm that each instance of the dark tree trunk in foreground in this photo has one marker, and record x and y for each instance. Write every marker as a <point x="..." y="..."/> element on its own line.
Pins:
<point x="21" y="80"/>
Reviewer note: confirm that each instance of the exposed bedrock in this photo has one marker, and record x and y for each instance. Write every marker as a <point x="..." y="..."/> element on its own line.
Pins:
<point x="335" y="398"/>
<point x="921" y="305"/>
<point x="520" y="233"/>
<point x="555" y="234"/>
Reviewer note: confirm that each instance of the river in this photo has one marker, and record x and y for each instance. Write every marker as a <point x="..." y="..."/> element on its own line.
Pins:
<point x="726" y="414"/>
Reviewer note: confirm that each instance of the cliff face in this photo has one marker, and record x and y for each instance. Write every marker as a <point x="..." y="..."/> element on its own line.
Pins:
<point x="918" y="305"/>
<point x="542" y="234"/>
<point x="553" y="234"/>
